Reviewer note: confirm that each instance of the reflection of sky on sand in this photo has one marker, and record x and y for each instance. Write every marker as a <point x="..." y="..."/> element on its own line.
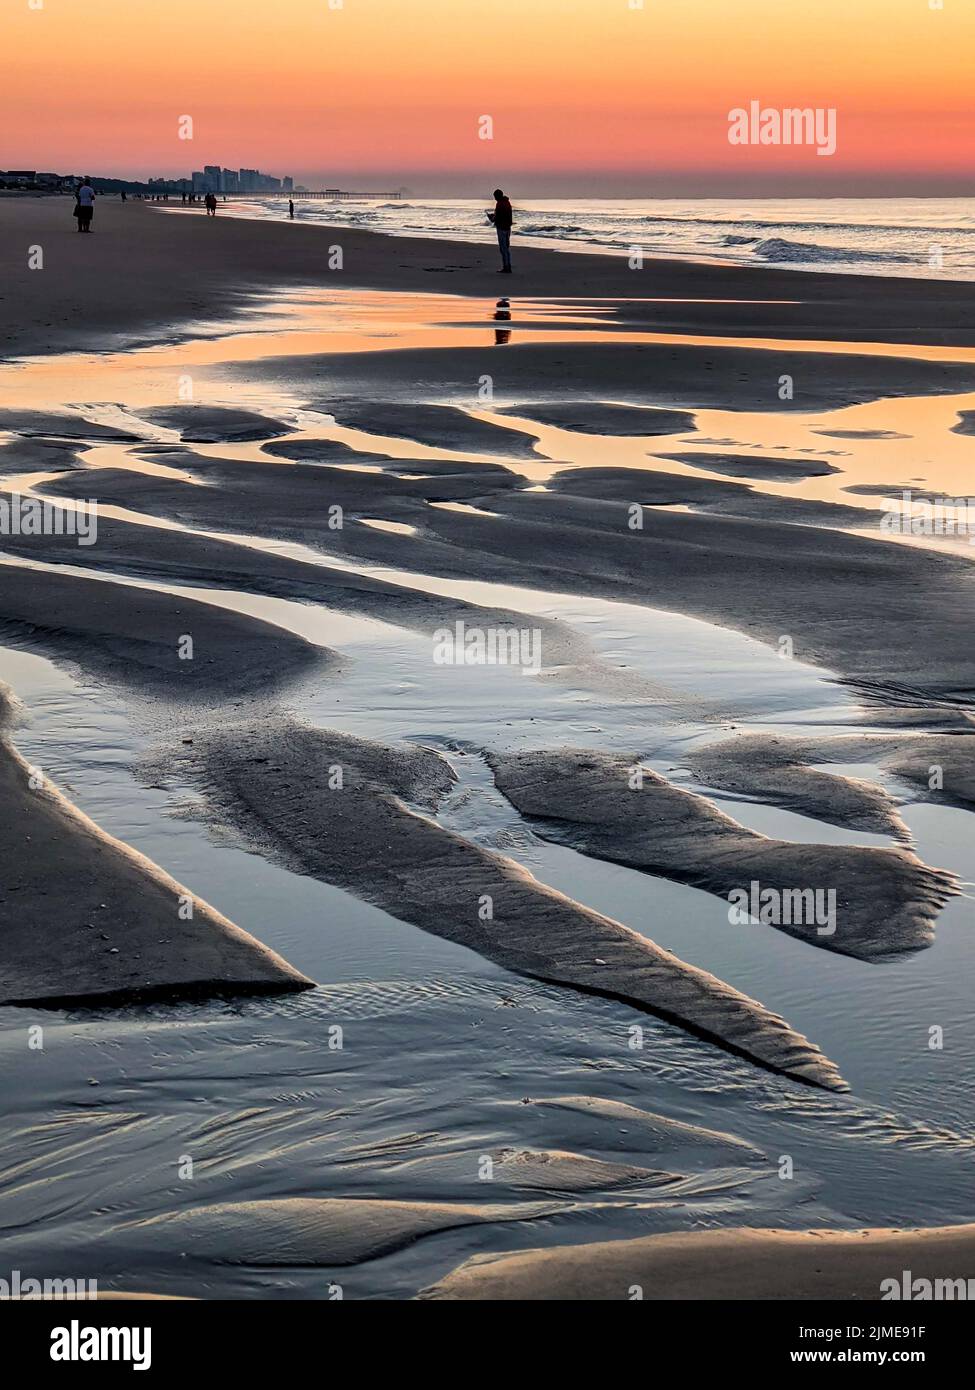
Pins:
<point x="929" y="455"/>
<point x="895" y="443"/>
<point x="929" y="452"/>
<point x="871" y="1020"/>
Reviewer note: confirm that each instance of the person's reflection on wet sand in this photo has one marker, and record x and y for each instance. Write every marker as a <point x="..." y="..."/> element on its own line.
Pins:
<point x="502" y="311"/>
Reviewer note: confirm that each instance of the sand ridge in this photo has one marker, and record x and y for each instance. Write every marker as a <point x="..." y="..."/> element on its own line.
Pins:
<point x="109" y="925"/>
<point x="274" y="781"/>
<point x="936" y="766"/>
<point x="732" y="1264"/>
<point x="886" y="900"/>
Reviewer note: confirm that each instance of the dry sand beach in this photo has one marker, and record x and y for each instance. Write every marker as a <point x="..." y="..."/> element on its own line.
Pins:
<point x="377" y="776"/>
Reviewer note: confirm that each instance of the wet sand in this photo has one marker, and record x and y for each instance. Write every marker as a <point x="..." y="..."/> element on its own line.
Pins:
<point x="86" y="920"/>
<point x="767" y="579"/>
<point x="726" y="1265"/>
<point x="886" y="901"/>
<point x="512" y="510"/>
<point x="179" y="266"/>
<point x="153" y="643"/>
<point x="333" y="807"/>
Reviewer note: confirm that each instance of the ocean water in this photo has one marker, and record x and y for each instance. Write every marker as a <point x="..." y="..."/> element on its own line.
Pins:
<point x="924" y="238"/>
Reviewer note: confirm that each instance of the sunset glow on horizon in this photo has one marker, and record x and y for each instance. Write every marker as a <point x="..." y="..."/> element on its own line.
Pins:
<point x="582" y="93"/>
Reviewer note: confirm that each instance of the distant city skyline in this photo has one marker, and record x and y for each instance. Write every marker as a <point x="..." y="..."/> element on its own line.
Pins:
<point x="212" y="178"/>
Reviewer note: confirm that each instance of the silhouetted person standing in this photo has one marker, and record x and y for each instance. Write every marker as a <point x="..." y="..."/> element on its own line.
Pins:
<point x="211" y="204"/>
<point x="86" y="204"/>
<point x="501" y="217"/>
<point x="291" y="208"/>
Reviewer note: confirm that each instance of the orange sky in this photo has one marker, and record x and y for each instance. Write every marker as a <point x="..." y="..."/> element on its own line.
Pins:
<point x="584" y="94"/>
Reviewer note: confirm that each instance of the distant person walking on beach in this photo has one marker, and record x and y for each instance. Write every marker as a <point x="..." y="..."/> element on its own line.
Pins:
<point x="211" y="204"/>
<point x="291" y="208"/>
<point x="501" y="218"/>
<point x="85" y="205"/>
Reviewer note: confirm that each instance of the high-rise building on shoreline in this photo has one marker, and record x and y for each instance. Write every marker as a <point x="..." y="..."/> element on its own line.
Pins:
<point x="212" y="179"/>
